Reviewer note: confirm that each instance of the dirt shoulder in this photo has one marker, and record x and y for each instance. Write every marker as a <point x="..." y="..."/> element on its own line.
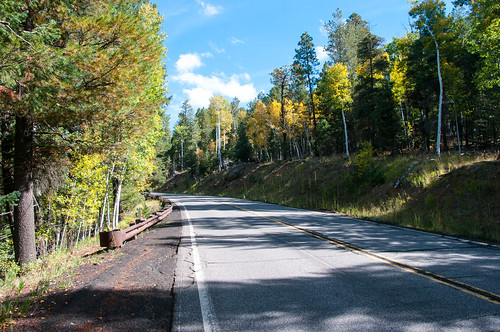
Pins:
<point x="128" y="291"/>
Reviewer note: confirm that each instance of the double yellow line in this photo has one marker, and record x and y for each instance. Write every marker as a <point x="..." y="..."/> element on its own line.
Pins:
<point x="463" y="287"/>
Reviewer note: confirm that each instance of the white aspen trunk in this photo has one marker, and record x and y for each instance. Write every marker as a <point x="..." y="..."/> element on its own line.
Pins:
<point x="438" y="139"/>
<point x="116" y="205"/>
<point x="407" y="133"/>
<point x="80" y="227"/>
<point x="345" y="134"/>
<point x="458" y="135"/>
<point x="103" y="212"/>
<point x="297" y="149"/>
<point x="78" y="235"/>
<point x="63" y="235"/>
<point x="108" y="222"/>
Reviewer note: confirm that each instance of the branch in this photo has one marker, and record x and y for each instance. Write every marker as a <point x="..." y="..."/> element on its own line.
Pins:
<point x="11" y="93"/>
<point x="7" y="25"/>
<point x="54" y="132"/>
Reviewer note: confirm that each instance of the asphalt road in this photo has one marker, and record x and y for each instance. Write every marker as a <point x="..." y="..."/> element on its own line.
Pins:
<point x="249" y="266"/>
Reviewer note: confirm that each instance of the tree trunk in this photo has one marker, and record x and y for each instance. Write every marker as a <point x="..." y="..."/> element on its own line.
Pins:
<point x="438" y="139"/>
<point x="345" y="133"/>
<point x="106" y="197"/>
<point x="283" y="121"/>
<point x="116" y="205"/>
<point x="7" y="147"/>
<point x="24" y="216"/>
<point x="458" y="134"/>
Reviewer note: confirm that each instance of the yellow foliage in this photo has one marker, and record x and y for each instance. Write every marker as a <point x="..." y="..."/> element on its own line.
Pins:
<point x="257" y="125"/>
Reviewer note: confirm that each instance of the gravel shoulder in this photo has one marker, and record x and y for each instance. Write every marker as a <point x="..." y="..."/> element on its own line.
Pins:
<point x="129" y="291"/>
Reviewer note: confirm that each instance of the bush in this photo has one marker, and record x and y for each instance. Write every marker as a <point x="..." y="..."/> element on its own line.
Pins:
<point x="366" y="167"/>
<point x="364" y="160"/>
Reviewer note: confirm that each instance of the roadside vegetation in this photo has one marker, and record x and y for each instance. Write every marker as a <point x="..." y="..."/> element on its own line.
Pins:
<point x="22" y="288"/>
<point x="456" y="195"/>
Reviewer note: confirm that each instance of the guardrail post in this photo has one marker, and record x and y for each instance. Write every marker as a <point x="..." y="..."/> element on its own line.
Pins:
<point x="112" y="239"/>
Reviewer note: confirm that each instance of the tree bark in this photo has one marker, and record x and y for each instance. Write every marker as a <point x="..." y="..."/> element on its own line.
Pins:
<point x="345" y="134"/>
<point x="116" y="205"/>
<point x="438" y="139"/>
<point x="7" y="147"/>
<point x="24" y="214"/>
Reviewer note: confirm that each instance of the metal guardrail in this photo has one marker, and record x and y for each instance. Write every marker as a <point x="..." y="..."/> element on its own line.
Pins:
<point x="115" y="238"/>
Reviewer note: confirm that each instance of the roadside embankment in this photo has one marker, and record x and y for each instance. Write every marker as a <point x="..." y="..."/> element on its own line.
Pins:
<point x="455" y="195"/>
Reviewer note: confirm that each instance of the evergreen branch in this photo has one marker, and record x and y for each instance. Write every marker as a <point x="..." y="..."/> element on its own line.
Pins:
<point x="7" y="25"/>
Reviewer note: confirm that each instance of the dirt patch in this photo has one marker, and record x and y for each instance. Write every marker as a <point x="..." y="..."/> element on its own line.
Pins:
<point x="132" y="292"/>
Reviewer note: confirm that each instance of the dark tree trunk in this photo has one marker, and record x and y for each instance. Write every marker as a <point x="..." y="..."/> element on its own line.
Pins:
<point x="7" y="147"/>
<point x="24" y="221"/>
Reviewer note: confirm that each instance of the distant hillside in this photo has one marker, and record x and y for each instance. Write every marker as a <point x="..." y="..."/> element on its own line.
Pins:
<point x="455" y="195"/>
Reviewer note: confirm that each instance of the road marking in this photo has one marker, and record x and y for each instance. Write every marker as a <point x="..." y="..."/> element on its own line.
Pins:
<point x="463" y="287"/>
<point x="207" y="312"/>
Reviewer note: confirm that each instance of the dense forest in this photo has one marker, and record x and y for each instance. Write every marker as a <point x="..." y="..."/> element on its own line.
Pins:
<point x="83" y="104"/>
<point x="438" y="83"/>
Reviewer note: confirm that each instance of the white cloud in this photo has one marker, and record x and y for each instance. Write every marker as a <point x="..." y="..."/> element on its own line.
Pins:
<point x="200" y="88"/>
<point x="204" y="87"/>
<point x="188" y="63"/>
<point x="235" y="41"/>
<point x="216" y="49"/>
<point x="209" y="9"/>
<point x="321" y="53"/>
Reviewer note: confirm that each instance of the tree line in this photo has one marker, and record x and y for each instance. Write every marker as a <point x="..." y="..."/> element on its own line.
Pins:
<point x="435" y="89"/>
<point x="82" y="101"/>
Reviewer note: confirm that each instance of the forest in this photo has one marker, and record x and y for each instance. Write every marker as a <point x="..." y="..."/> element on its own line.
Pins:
<point x="83" y="102"/>
<point x="435" y="89"/>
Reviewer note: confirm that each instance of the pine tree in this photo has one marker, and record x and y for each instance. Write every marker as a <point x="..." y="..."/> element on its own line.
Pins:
<point x="305" y="68"/>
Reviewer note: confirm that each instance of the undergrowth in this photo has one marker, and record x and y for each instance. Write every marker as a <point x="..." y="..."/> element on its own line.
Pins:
<point x="20" y="287"/>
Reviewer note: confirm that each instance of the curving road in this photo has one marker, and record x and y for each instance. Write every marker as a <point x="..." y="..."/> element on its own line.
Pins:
<point x="250" y="266"/>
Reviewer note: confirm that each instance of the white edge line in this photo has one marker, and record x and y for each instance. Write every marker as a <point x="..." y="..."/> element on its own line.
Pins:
<point x="207" y="313"/>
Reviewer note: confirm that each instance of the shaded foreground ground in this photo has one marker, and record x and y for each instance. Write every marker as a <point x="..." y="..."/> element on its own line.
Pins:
<point x="132" y="292"/>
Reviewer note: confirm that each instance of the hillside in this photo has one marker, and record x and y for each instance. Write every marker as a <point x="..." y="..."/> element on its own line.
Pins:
<point x="455" y="195"/>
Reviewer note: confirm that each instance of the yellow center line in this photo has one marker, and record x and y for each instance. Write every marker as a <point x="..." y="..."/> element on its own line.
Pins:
<point x="463" y="287"/>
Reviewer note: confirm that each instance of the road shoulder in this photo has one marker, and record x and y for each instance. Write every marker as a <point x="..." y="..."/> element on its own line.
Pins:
<point x="131" y="290"/>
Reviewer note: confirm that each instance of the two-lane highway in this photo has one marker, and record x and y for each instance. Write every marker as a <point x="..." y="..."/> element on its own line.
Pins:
<point x="250" y="266"/>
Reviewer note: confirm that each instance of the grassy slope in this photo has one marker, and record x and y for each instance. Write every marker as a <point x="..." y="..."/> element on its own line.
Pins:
<point x="455" y="195"/>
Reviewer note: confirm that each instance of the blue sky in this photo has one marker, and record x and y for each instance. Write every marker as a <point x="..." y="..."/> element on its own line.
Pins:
<point x="229" y="47"/>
